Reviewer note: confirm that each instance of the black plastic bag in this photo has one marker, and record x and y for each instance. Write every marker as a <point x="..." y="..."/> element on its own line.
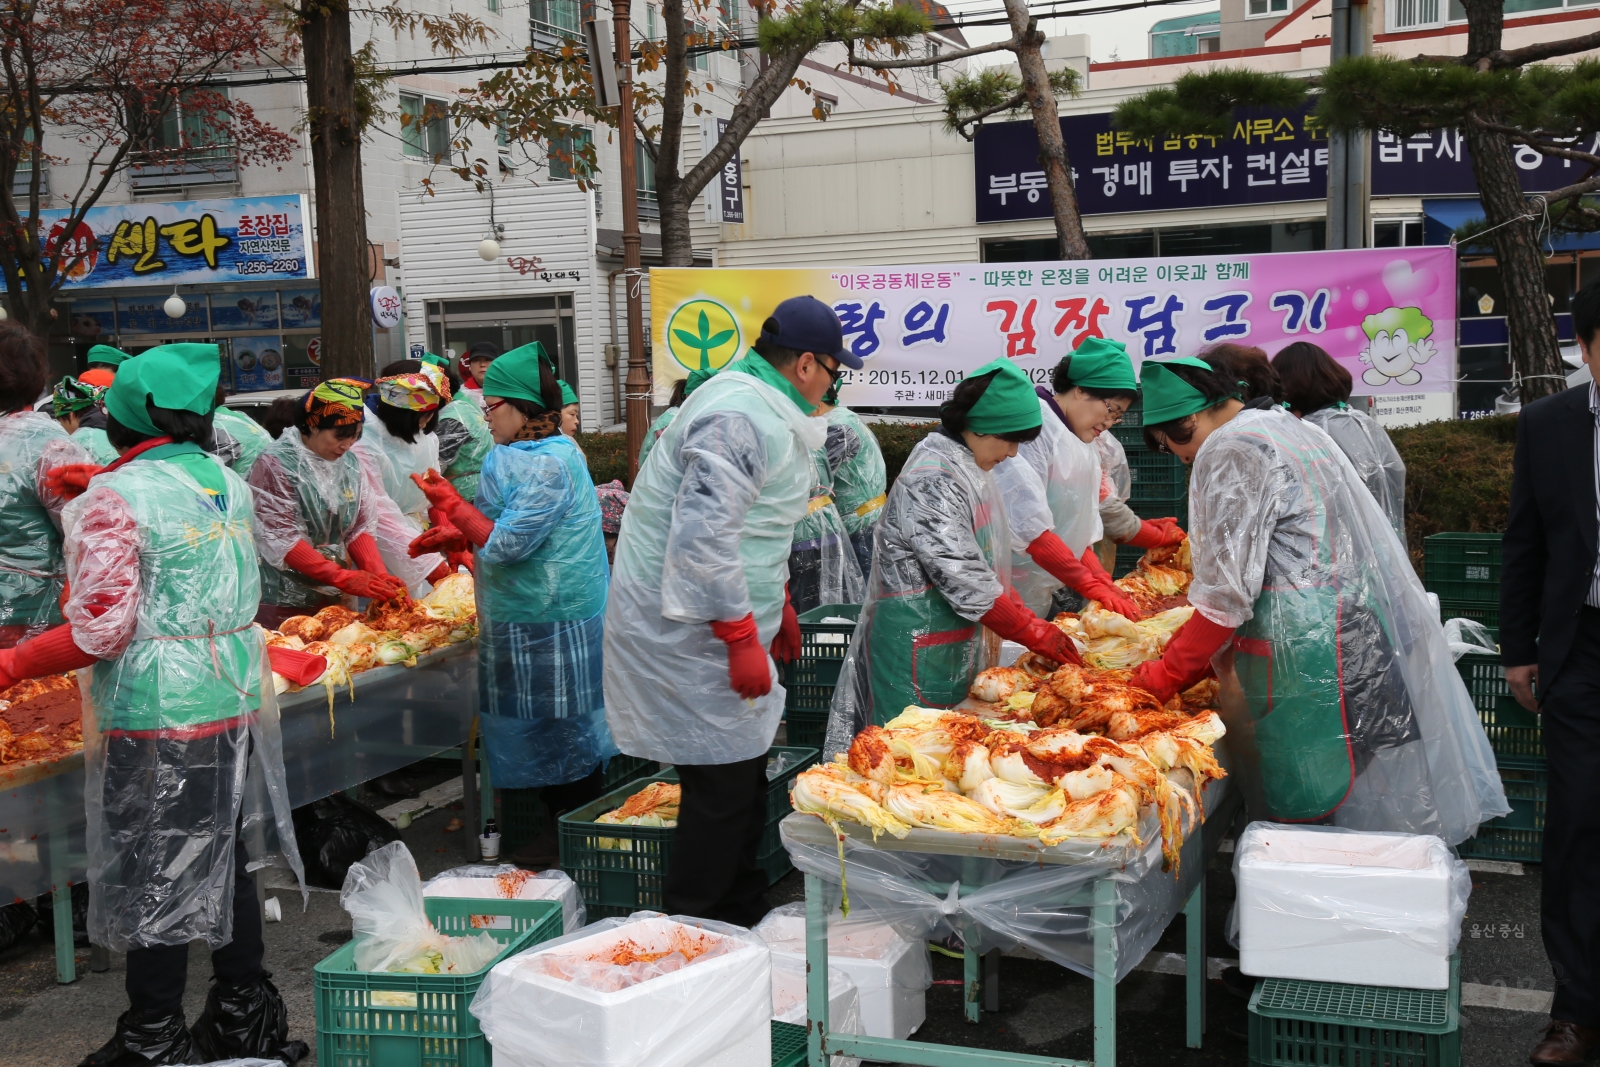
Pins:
<point x="15" y="922"/>
<point x="246" y="1021"/>
<point x="46" y="907"/>
<point x="335" y="832"/>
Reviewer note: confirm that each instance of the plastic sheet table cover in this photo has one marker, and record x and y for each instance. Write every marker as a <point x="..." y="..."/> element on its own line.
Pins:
<point x="400" y="715"/>
<point x="1008" y="892"/>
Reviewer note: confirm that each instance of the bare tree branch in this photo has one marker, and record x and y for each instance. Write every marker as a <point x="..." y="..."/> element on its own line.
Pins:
<point x="1500" y="59"/>
<point x="925" y="61"/>
<point x="1017" y="101"/>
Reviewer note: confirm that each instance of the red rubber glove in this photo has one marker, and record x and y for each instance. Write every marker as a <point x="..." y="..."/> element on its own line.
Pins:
<point x="440" y="573"/>
<point x="301" y="668"/>
<point x="786" y="642"/>
<point x="749" y="673"/>
<point x="442" y="538"/>
<point x="52" y="652"/>
<point x="1082" y="577"/>
<point x="1011" y="619"/>
<point x="1157" y="533"/>
<point x="472" y="522"/>
<point x="440" y="493"/>
<point x="70" y="481"/>
<point x="311" y="563"/>
<point x="1186" y="659"/>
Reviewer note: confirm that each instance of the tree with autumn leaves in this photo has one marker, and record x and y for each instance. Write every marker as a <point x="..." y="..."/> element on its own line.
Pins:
<point x="104" y="75"/>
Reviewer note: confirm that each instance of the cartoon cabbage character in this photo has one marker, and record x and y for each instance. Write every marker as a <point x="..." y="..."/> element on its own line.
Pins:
<point x="1397" y="340"/>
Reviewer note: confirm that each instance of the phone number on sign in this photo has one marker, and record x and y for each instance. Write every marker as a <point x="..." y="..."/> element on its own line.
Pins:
<point x="274" y="266"/>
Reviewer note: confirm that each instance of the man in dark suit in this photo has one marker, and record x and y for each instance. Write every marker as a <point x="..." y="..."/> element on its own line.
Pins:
<point x="1550" y="643"/>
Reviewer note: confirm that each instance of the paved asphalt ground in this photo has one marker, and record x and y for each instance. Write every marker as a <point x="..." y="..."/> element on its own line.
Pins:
<point x="1044" y="1009"/>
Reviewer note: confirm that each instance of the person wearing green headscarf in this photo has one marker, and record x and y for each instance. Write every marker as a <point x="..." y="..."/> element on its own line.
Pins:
<point x="860" y="478"/>
<point x="464" y="437"/>
<point x="164" y="588"/>
<point x="942" y="565"/>
<point x="571" y="423"/>
<point x="682" y="389"/>
<point x="103" y="361"/>
<point x="1052" y="488"/>
<point x="1353" y="712"/>
<point x="542" y="578"/>
<point x="76" y="407"/>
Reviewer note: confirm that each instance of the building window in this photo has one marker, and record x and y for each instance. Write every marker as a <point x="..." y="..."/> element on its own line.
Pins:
<point x="424" y="126"/>
<point x="931" y="49"/>
<point x="644" y="169"/>
<point x="825" y="104"/>
<point x="565" y="164"/>
<point x="190" y="144"/>
<point x="650" y="30"/>
<point x="1396" y="233"/>
<point x="702" y="39"/>
<point x="564" y="18"/>
<point x="1267" y="8"/>
<point x="1210" y="44"/>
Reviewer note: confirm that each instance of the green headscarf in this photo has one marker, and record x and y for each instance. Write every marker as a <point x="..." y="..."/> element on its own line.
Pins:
<point x="697" y="377"/>
<point x="1099" y="363"/>
<point x="114" y="357"/>
<point x="72" y="395"/>
<point x="516" y="374"/>
<point x="437" y="361"/>
<point x="181" y="377"/>
<point x="567" y="395"/>
<point x="1008" y="405"/>
<point x="1167" y="396"/>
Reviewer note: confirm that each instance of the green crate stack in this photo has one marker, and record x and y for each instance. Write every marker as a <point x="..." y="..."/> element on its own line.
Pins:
<point x="788" y="1045"/>
<point x="809" y="680"/>
<point x="1518" y="837"/>
<point x="386" y="1019"/>
<point x="630" y="872"/>
<point x="1514" y="731"/>
<point x="1158" y="483"/>
<point x="1295" y="1024"/>
<point x="1463" y="571"/>
<point x="620" y="770"/>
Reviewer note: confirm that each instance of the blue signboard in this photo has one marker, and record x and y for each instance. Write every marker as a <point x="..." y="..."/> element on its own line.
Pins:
<point x="302" y="308"/>
<point x="257" y="310"/>
<point x="182" y="242"/>
<point x="147" y="314"/>
<point x="1269" y="157"/>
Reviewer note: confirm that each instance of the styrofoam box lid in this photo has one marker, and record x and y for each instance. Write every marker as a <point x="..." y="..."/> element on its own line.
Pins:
<point x="868" y="941"/>
<point x="531" y="889"/>
<point x="648" y="934"/>
<point x="1287" y="848"/>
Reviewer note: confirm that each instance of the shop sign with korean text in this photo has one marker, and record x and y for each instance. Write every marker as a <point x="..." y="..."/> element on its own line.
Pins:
<point x="1387" y="315"/>
<point x="1268" y="157"/>
<point x="183" y="242"/>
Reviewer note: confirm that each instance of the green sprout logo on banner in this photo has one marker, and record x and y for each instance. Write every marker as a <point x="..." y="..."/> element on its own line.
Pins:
<point x="703" y="335"/>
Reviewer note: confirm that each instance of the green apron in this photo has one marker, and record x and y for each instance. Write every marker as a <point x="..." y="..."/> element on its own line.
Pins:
<point x="464" y="470"/>
<point x="919" y="650"/>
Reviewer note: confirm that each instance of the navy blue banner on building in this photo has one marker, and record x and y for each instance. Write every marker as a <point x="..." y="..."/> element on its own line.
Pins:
<point x="1269" y="157"/>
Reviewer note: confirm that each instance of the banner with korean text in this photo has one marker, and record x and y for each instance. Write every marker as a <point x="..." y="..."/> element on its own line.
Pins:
<point x="1387" y="315"/>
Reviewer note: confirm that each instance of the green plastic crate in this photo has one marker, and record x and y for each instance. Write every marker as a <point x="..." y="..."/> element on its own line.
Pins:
<point x="1518" y="837"/>
<point x="810" y="679"/>
<point x="1486" y="612"/>
<point x="1298" y="1024"/>
<point x="1514" y="731"/>
<point x="788" y="1044"/>
<point x="621" y="770"/>
<point x="382" y="1019"/>
<point x="1462" y="567"/>
<point x="618" y="881"/>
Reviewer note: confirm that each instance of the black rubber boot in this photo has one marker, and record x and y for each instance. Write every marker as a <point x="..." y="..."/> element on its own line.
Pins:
<point x="246" y="1021"/>
<point x="146" y="1039"/>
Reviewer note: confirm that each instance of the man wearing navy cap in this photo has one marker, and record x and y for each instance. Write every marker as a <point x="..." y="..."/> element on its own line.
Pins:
<point x="698" y="599"/>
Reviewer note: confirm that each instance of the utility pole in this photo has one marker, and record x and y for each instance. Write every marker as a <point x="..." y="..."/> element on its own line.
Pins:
<point x="1349" y="179"/>
<point x="637" y="388"/>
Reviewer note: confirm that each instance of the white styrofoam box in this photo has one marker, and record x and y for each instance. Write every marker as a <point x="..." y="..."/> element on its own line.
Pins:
<point x="890" y="973"/>
<point x="1358" y="908"/>
<point x="705" y="1012"/>
<point x="563" y="889"/>
<point x="789" y="1000"/>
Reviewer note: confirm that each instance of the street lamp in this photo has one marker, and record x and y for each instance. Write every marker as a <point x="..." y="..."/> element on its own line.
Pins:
<point x="488" y="250"/>
<point x="175" y="307"/>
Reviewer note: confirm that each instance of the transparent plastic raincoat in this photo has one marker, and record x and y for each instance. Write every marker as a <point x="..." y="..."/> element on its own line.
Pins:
<point x="653" y="434"/>
<point x="301" y="496"/>
<point x="705" y="537"/>
<point x="31" y="570"/>
<point x="395" y="461"/>
<point x="541" y="593"/>
<point x="1118" y="520"/>
<point x="181" y="737"/>
<point x="1052" y="483"/>
<point x="1366" y="445"/>
<point x="94" y="441"/>
<point x="859" y="479"/>
<point x="464" y="442"/>
<point x="823" y="568"/>
<point x="939" y="564"/>
<point x="1341" y="699"/>
<point x="239" y="440"/>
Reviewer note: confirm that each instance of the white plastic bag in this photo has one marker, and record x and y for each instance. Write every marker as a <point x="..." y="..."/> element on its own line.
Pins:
<point x="510" y="882"/>
<point x="562" y="1004"/>
<point x="383" y="894"/>
<point x="1465" y="636"/>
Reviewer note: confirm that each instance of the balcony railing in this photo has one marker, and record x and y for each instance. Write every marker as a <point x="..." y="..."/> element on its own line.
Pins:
<point x="211" y="165"/>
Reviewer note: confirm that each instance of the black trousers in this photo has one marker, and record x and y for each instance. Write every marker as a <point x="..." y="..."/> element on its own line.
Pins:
<point x="1570" y="908"/>
<point x="713" y="872"/>
<point x="157" y="976"/>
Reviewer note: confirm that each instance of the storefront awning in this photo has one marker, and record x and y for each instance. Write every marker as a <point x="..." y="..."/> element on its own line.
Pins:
<point x="1441" y="218"/>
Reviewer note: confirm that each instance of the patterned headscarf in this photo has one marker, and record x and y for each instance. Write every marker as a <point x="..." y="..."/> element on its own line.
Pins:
<point x="422" y="390"/>
<point x="72" y="395"/>
<point x="336" y="402"/>
<point x="613" y="498"/>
